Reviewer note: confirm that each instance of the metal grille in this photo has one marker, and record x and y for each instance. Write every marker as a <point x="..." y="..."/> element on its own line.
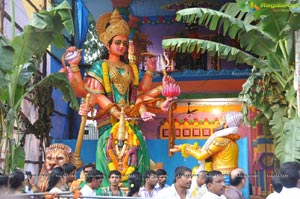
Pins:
<point x="90" y="131"/>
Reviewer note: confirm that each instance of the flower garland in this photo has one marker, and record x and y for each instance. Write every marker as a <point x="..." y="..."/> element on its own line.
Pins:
<point x="106" y="81"/>
<point x="136" y="73"/>
<point x="116" y="155"/>
<point x="186" y="149"/>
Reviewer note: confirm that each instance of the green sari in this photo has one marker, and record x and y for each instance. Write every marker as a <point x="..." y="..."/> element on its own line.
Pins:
<point x="143" y="159"/>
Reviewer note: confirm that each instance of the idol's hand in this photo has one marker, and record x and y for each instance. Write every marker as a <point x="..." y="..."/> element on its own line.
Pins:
<point x="177" y="148"/>
<point x="73" y="55"/>
<point x="166" y="103"/>
<point x="147" y="116"/>
<point x="151" y="63"/>
<point x="167" y="80"/>
<point x="84" y="110"/>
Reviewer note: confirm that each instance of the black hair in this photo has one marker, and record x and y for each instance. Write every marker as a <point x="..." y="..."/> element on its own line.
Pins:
<point x="289" y="174"/>
<point x="115" y="172"/>
<point x="235" y="180"/>
<point x="16" y="179"/>
<point x="89" y="165"/>
<point x="276" y="184"/>
<point x="134" y="183"/>
<point x="179" y="171"/>
<point x="160" y="172"/>
<point x="54" y="177"/>
<point x="94" y="173"/>
<point x="68" y="168"/>
<point x="148" y="174"/>
<point x="210" y="175"/>
<point x="3" y="181"/>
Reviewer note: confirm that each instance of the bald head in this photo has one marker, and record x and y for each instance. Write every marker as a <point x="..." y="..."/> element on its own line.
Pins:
<point x="236" y="176"/>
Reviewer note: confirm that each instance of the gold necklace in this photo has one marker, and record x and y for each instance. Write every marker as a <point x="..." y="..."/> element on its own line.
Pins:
<point x="120" y="65"/>
<point x="120" y="81"/>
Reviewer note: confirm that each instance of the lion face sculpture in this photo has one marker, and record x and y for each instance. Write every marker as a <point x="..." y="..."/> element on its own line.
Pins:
<point x="56" y="155"/>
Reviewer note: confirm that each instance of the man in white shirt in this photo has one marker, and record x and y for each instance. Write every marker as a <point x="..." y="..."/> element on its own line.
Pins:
<point x="162" y="179"/>
<point x="198" y="188"/>
<point x="148" y="190"/>
<point x="215" y="185"/>
<point x="277" y="186"/>
<point x="290" y="179"/>
<point x="181" y="186"/>
<point x="93" y="181"/>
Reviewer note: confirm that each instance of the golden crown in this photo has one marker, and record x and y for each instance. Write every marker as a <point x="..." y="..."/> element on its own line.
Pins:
<point x="110" y="25"/>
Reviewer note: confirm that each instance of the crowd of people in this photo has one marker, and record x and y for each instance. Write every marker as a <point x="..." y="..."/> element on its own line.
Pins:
<point x="150" y="184"/>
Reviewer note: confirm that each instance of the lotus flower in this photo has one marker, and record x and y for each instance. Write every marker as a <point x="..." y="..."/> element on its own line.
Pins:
<point x="171" y="90"/>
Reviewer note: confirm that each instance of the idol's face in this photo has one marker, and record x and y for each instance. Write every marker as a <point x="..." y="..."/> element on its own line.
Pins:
<point x="119" y="45"/>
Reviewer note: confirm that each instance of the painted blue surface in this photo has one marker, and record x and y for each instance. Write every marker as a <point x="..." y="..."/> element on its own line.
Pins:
<point x="158" y="150"/>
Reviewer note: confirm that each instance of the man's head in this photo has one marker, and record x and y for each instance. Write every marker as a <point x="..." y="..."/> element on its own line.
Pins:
<point x="289" y="174"/>
<point x="87" y="167"/>
<point x="215" y="182"/>
<point x="70" y="171"/>
<point x="276" y="184"/>
<point x="150" y="178"/>
<point x="201" y="177"/>
<point x="237" y="178"/>
<point x="94" y="178"/>
<point x="162" y="177"/>
<point x="114" y="177"/>
<point x="183" y="177"/>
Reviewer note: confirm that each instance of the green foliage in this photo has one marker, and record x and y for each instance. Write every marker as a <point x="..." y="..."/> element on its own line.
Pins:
<point x="20" y="59"/>
<point x="222" y="50"/>
<point x="291" y="141"/>
<point x="267" y="43"/>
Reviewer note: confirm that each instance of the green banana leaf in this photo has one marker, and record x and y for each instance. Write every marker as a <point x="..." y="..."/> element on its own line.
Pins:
<point x="20" y="60"/>
<point x="224" y="51"/>
<point x="233" y="27"/>
<point x="267" y="42"/>
<point x="290" y="141"/>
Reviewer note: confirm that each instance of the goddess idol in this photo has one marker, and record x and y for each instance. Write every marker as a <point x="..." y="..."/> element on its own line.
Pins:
<point x="113" y="85"/>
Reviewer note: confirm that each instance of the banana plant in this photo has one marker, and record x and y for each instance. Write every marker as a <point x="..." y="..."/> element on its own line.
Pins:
<point x="20" y="59"/>
<point x="267" y="37"/>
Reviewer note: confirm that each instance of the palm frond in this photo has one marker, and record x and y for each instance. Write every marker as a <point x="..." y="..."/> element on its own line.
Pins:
<point x="233" y="9"/>
<point x="235" y="28"/>
<point x="224" y="52"/>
